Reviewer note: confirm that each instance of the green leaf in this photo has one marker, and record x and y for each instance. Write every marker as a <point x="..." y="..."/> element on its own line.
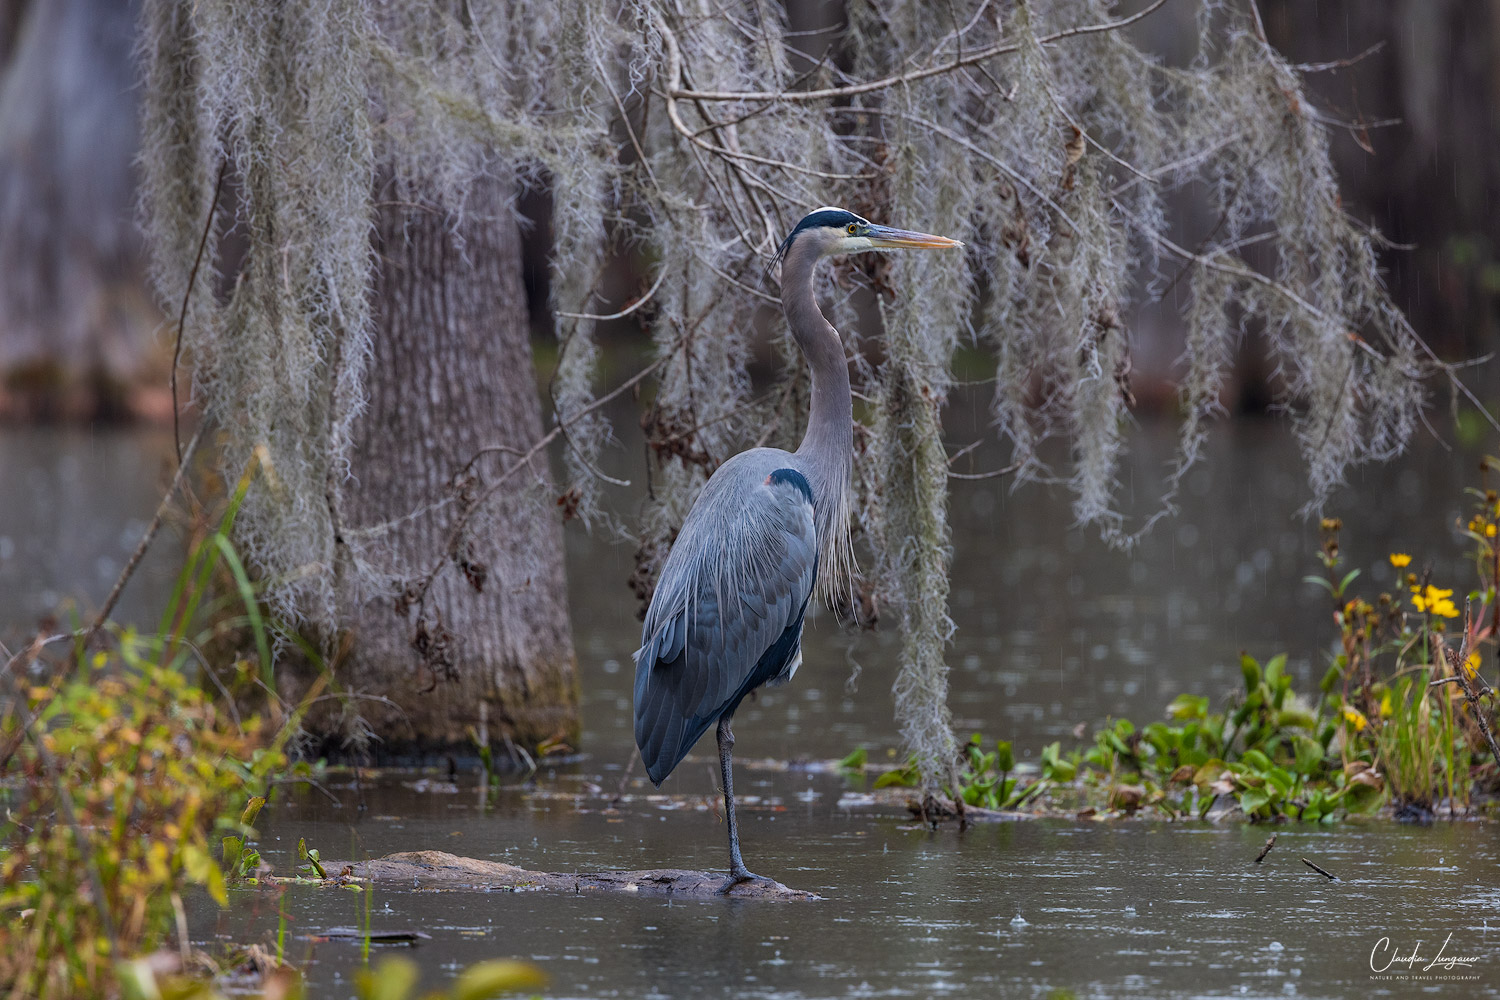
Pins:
<point x="137" y="980"/>
<point x="1348" y="579"/>
<point x="252" y="809"/>
<point x="1295" y="718"/>
<point x="1255" y="759"/>
<point x="1319" y="581"/>
<point x="252" y="606"/>
<point x="1251" y="671"/>
<point x="1005" y="757"/>
<point x="1188" y="706"/>
<point x="1253" y="799"/>
<point x="855" y="761"/>
<point x="488" y="979"/>
<point x="200" y="867"/>
<point x="314" y="863"/>
<point x="1054" y="767"/>
<point x="905" y="777"/>
<point x="394" y="978"/>
<point x="1309" y="756"/>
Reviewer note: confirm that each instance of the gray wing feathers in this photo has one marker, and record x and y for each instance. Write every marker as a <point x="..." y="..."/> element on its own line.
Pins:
<point x="737" y="578"/>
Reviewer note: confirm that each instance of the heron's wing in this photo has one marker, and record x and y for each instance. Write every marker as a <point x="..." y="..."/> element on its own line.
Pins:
<point x="726" y="617"/>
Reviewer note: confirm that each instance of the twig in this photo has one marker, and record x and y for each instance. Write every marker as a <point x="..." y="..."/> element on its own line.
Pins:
<point x="833" y="93"/>
<point x="456" y="534"/>
<point x="1459" y="663"/>
<point x="1291" y="296"/>
<point x="674" y="91"/>
<point x="1267" y="849"/>
<point x="623" y="312"/>
<point x="992" y="474"/>
<point x="1324" y="67"/>
<point x="624" y="780"/>
<point x="208" y="225"/>
<point x="145" y="542"/>
<point x="1321" y="871"/>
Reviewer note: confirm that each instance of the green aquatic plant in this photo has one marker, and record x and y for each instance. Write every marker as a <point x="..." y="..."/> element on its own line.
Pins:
<point x="1399" y="719"/>
<point x="128" y="772"/>
<point x="1420" y="752"/>
<point x="1265" y="751"/>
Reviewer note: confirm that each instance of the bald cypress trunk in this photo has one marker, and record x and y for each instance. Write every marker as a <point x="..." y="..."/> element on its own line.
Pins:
<point x="76" y="324"/>
<point x="452" y="373"/>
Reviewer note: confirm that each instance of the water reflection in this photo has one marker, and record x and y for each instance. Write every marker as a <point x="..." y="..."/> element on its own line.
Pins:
<point x="73" y="505"/>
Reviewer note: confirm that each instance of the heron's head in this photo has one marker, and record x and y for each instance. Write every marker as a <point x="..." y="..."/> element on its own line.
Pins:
<point x="835" y="231"/>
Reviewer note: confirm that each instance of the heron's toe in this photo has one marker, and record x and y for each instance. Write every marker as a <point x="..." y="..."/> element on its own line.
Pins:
<point x="740" y="878"/>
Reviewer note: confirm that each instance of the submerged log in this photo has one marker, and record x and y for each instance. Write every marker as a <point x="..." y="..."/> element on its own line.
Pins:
<point x="436" y="869"/>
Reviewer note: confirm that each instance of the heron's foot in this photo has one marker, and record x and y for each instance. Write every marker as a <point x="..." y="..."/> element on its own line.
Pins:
<point x="739" y="878"/>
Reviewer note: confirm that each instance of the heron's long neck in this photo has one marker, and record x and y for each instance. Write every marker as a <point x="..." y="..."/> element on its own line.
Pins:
<point x="827" y="448"/>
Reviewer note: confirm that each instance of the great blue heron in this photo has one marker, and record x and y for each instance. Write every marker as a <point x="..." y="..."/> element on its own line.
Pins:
<point x="728" y="610"/>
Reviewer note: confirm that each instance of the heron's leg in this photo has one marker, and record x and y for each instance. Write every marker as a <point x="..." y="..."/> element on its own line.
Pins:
<point x="737" y="871"/>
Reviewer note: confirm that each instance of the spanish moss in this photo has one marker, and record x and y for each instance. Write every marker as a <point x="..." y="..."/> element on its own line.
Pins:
<point x="1078" y="167"/>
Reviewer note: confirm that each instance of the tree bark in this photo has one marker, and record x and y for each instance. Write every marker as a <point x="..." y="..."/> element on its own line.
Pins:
<point x="452" y="373"/>
<point x="76" y="324"/>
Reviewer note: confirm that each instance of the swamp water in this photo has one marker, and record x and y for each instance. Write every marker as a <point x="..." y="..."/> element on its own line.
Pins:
<point x="1053" y="630"/>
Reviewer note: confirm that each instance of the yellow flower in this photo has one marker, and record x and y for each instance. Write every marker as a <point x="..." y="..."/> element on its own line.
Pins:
<point x="1355" y="718"/>
<point x="1400" y="559"/>
<point x="1489" y="531"/>
<point x="1386" y="708"/>
<point x="1434" y="601"/>
<point x="1471" y="665"/>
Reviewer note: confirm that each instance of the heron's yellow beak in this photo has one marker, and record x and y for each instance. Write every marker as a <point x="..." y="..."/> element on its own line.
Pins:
<point x="886" y="238"/>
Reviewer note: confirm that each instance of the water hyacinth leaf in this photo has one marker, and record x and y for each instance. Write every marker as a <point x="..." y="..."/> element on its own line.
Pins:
<point x="906" y="776"/>
<point x="1296" y="718"/>
<point x="1250" y="670"/>
<point x="1188" y="706"/>
<point x="1255" y="759"/>
<point x="1309" y="756"/>
<point x="1253" y="799"/>
<point x="855" y="761"/>
<point x="1053" y="766"/>
<point x="1279" y="779"/>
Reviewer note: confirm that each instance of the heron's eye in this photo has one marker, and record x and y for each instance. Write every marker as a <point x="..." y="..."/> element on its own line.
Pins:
<point x="852" y="228"/>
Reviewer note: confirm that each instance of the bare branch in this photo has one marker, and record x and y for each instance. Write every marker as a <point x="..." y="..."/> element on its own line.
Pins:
<point x="836" y="93"/>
